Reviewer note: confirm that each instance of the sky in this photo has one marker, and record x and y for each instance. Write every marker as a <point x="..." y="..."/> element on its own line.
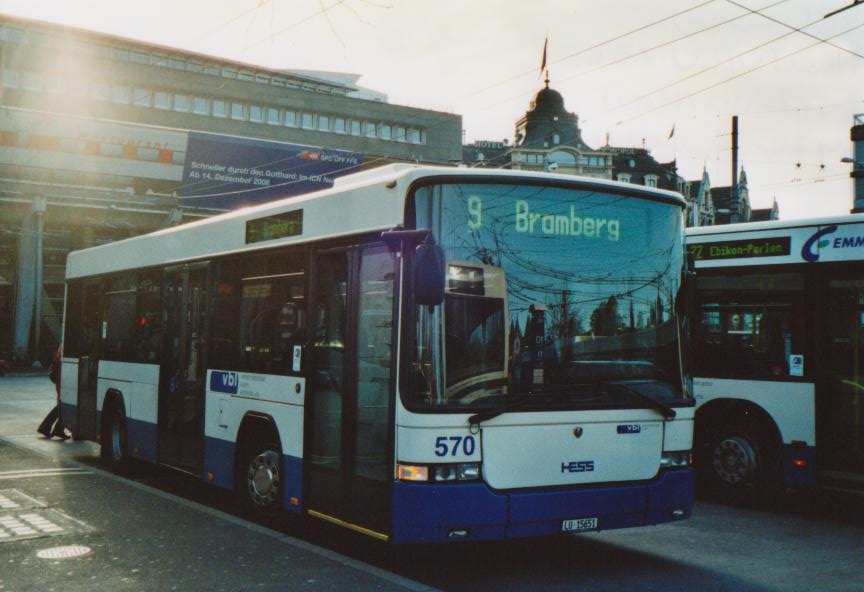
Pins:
<point x="632" y="69"/>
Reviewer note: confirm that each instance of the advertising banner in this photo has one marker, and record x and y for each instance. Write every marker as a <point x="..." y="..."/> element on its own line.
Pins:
<point x="118" y="155"/>
<point x="230" y="172"/>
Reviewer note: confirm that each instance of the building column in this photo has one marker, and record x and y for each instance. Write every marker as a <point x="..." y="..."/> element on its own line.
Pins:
<point x="28" y="289"/>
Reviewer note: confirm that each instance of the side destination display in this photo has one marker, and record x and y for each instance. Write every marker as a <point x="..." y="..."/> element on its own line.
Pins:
<point x="273" y="227"/>
<point x="741" y="249"/>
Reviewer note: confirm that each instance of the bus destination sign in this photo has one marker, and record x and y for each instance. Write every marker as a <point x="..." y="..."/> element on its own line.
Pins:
<point x="741" y="249"/>
<point x="273" y="227"/>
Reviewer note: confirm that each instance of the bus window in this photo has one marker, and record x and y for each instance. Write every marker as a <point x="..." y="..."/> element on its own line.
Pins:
<point x="118" y="318"/>
<point x="747" y="333"/>
<point x="223" y="323"/>
<point x="747" y="340"/>
<point x="272" y="313"/>
<point x="475" y="345"/>
<point x="147" y="332"/>
<point x="74" y="311"/>
<point x="374" y="374"/>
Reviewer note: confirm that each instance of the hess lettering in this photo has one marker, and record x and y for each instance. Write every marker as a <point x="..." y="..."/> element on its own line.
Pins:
<point x="577" y="466"/>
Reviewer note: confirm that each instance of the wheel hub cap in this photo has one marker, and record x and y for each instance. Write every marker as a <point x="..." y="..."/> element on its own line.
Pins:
<point x="263" y="478"/>
<point x="734" y="460"/>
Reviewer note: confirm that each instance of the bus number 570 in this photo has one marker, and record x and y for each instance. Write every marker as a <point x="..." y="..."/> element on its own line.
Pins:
<point x="452" y="444"/>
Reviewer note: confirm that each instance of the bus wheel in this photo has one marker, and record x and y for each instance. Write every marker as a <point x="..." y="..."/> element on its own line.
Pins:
<point x="736" y="463"/>
<point x="113" y="438"/>
<point x="735" y="460"/>
<point x="259" y="480"/>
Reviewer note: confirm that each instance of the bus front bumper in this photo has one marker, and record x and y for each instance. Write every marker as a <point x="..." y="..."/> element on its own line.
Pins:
<point x="450" y="512"/>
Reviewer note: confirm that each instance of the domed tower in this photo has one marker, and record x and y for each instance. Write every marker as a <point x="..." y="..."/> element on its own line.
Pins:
<point x="548" y="138"/>
<point x="547" y="123"/>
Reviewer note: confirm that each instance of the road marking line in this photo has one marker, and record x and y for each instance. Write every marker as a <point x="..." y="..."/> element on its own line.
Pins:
<point x="25" y="474"/>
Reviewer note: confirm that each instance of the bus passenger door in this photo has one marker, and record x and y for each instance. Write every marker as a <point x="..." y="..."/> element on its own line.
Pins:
<point x="88" y="363"/>
<point x="183" y="368"/>
<point x="840" y="408"/>
<point x="349" y="467"/>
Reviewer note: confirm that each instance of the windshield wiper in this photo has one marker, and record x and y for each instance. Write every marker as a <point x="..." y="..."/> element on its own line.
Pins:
<point x="526" y="400"/>
<point x="665" y="410"/>
<point x="482" y="416"/>
<point x="548" y="395"/>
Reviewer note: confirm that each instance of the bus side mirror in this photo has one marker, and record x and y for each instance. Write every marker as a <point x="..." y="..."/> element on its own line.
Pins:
<point x="429" y="274"/>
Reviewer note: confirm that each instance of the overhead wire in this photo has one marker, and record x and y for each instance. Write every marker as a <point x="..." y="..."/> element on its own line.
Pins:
<point x="324" y="9"/>
<point x="668" y="43"/>
<point x="738" y="75"/>
<point x="590" y="48"/>
<point x="643" y="52"/>
<point x="737" y="56"/>
<point x="260" y="4"/>
<point x="794" y="29"/>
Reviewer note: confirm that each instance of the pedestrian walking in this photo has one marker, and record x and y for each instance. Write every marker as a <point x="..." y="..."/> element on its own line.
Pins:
<point x="52" y="425"/>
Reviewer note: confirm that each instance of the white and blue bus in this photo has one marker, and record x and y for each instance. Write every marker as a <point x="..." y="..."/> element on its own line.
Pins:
<point x="418" y="354"/>
<point x="779" y="357"/>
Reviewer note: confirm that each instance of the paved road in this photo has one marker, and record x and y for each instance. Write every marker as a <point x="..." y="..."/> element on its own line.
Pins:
<point x="153" y="532"/>
<point x="53" y="495"/>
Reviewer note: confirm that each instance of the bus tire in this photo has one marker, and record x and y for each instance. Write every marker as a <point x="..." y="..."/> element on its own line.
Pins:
<point x="737" y="462"/>
<point x="112" y="437"/>
<point x="259" y="481"/>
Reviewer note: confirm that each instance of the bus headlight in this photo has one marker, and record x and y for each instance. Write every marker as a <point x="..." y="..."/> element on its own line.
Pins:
<point x="468" y="471"/>
<point x="438" y="473"/>
<point x="676" y="459"/>
<point x="412" y="472"/>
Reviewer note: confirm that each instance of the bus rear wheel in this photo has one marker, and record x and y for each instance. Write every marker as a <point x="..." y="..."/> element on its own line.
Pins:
<point x="734" y="460"/>
<point x="737" y="463"/>
<point x="113" y="438"/>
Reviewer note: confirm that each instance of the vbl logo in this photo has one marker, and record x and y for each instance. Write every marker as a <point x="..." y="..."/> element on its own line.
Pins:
<point x="224" y="382"/>
<point x="578" y="466"/>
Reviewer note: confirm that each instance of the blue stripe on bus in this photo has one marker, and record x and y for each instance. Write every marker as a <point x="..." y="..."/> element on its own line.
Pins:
<point x="799" y="476"/>
<point x="674" y="492"/>
<point x="293" y="481"/>
<point x="141" y="439"/>
<point x="426" y="513"/>
<point x="219" y="462"/>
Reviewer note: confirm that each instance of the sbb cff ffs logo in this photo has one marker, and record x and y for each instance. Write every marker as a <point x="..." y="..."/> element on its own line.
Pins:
<point x="577" y="466"/>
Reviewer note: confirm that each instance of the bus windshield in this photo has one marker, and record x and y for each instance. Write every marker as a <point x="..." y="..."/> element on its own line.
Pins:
<point x="559" y="292"/>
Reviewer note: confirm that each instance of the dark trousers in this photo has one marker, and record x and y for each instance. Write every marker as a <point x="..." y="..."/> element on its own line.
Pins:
<point x="53" y="416"/>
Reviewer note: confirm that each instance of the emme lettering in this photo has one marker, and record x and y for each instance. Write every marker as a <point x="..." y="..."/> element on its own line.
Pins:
<point x="849" y="241"/>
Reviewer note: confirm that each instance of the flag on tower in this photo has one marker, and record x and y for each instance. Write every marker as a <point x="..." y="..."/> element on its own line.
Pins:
<point x="543" y="61"/>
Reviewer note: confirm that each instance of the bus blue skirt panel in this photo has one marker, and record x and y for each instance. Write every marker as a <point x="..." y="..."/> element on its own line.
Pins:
<point x="799" y="464"/>
<point x="430" y="513"/>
